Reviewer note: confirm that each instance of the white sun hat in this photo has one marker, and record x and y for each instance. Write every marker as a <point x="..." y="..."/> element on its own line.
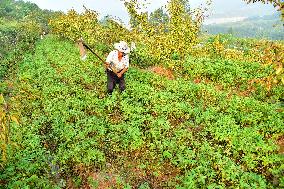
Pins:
<point x="122" y="47"/>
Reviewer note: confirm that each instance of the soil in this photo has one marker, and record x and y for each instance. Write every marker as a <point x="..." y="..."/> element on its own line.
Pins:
<point x="162" y="71"/>
<point x="105" y="180"/>
<point x="280" y="143"/>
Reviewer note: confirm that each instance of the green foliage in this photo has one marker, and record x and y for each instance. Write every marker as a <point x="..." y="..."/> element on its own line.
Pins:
<point x="15" y="38"/>
<point x="21" y="25"/>
<point x="228" y="73"/>
<point x="199" y="136"/>
<point x="12" y="9"/>
<point x="159" y="17"/>
<point x="161" y="33"/>
<point x="214" y="126"/>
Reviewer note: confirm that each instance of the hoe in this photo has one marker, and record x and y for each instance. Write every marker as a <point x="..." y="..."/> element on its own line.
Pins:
<point x="83" y="53"/>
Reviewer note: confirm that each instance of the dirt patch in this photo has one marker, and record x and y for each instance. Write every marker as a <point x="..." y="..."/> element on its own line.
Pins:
<point x="167" y="173"/>
<point x="105" y="180"/>
<point x="162" y="71"/>
<point x="155" y="177"/>
<point x="90" y="178"/>
<point x="197" y="80"/>
<point x="246" y="93"/>
<point x="280" y="143"/>
<point x="115" y="116"/>
<point x="219" y="87"/>
<point x="176" y="121"/>
<point x="115" y="176"/>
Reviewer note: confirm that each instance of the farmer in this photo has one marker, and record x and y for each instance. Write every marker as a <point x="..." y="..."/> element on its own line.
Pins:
<point x="116" y="65"/>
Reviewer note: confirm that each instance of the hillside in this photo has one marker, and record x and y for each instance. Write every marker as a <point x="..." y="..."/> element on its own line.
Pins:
<point x="21" y="24"/>
<point x="198" y="111"/>
<point x="269" y="27"/>
<point x="159" y="133"/>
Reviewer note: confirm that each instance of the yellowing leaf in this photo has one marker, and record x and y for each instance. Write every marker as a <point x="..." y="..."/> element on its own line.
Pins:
<point x="1" y="99"/>
<point x="13" y="118"/>
<point x="278" y="71"/>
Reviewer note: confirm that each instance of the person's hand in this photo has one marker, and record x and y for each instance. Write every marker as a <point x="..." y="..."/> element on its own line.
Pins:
<point x="119" y="75"/>
<point x="106" y="65"/>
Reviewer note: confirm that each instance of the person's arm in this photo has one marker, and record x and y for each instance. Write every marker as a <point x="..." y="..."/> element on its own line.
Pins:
<point x="107" y="65"/>
<point x="119" y="75"/>
<point x="126" y="66"/>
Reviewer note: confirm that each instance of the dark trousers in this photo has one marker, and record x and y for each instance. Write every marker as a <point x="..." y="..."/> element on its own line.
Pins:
<point x="112" y="80"/>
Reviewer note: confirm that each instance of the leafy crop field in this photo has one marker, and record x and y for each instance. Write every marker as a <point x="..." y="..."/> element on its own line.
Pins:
<point x="186" y="132"/>
<point x="199" y="111"/>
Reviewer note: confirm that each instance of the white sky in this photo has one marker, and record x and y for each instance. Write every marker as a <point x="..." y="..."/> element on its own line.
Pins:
<point x="220" y="8"/>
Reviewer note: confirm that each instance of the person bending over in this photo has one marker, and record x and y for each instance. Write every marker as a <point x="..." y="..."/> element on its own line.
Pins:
<point x="117" y="64"/>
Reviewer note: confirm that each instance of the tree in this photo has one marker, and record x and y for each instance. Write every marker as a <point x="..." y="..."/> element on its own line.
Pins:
<point x="160" y="20"/>
<point x="12" y="9"/>
<point x="158" y="17"/>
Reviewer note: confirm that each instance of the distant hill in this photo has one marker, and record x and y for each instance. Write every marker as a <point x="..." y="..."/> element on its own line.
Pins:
<point x="270" y="27"/>
<point x="11" y="9"/>
<point x="20" y="11"/>
<point x="21" y="24"/>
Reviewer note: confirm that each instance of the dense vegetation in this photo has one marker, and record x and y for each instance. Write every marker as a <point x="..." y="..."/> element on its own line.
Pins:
<point x="203" y="137"/>
<point x="20" y="26"/>
<point x="217" y="124"/>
